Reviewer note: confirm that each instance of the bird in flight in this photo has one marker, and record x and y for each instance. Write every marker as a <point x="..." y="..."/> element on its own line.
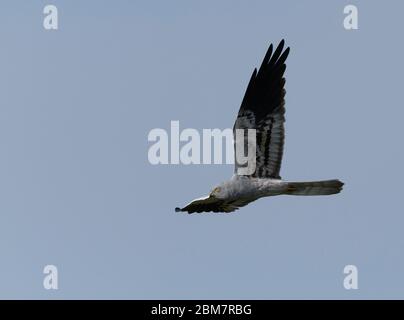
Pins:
<point x="262" y="110"/>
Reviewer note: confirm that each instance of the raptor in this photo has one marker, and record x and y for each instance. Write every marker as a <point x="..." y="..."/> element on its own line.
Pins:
<point x="263" y="110"/>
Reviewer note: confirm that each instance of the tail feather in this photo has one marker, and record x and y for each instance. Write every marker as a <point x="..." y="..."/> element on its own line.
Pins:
<point x="314" y="188"/>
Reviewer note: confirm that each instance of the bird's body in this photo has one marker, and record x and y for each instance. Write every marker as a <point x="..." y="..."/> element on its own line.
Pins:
<point x="241" y="187"/>
<point x="262" y="110"/>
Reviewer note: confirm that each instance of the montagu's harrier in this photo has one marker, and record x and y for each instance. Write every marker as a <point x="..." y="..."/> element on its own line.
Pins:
<point x="262" y="109"/>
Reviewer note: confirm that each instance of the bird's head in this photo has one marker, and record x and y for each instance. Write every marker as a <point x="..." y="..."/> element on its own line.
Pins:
<point x="216" y="192"/>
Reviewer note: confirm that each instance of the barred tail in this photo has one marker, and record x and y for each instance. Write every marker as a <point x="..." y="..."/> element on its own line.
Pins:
<point x="314" y="188"/>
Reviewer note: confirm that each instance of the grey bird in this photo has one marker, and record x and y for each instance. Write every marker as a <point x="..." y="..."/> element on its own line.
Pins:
<point x="262" y="109"/>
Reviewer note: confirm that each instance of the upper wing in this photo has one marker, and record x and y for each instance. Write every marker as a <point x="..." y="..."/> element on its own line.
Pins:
<point x="263" y="109"/>
<point x="213" y="204"/>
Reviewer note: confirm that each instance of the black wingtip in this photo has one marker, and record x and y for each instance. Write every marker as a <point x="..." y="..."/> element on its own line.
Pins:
<point x="177" y="209"/>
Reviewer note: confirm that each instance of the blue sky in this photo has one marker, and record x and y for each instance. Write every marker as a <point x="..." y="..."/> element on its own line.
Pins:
<point x="78" y="192"/>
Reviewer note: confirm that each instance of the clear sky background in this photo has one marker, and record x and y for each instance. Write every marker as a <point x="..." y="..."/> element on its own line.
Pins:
<point x="77" y="190"/>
